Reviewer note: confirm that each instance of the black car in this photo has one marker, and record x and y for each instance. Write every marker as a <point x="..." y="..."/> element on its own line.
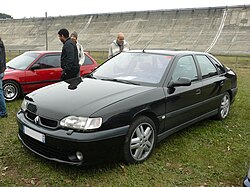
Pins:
<point x="126" y="106"/>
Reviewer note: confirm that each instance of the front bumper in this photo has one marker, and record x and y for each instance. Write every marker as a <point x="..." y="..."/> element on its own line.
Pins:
<point x="61" y="146"/>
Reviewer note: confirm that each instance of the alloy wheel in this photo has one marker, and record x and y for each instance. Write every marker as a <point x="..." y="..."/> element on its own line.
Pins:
<point x="142" y="141"/>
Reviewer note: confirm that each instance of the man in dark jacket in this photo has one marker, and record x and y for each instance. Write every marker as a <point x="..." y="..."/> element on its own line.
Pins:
<point x="3" y="112"/>
<point x="69" y="56"/>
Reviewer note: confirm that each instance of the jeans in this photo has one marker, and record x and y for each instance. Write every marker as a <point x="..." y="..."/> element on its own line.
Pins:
<point x="2" y="100"/>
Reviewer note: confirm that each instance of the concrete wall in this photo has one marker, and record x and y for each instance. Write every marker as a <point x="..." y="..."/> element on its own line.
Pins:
<point x="221" y="30"/>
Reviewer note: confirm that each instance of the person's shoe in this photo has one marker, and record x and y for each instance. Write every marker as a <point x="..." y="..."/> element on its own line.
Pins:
<point x="4" y="116"/>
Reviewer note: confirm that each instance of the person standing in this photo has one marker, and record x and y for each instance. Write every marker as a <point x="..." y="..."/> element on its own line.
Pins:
<point x="69" y="56"/>
<point x="118" y="45"/>
<point x="3" y="112"/>
<point x="81" y="55"/>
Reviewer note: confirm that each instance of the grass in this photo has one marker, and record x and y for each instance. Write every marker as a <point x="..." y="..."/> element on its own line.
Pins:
<point x="242" y="61"/>
<point x="99" y="56"/>
<point x="210" y="153"/>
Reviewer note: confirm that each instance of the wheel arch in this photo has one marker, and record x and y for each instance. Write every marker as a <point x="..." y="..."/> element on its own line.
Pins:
<point x="13" y="80"/>
<point x="231" y="95"/>
<point x="150" y="115"/>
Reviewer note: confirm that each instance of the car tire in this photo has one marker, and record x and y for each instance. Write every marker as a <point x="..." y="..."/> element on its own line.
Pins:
<point x="11" y="90"/>
<point x="140" y="140"/>
<point x="224" y="107"/>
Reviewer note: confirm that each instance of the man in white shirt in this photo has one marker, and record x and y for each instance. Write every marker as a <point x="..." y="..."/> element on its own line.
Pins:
<point x="118" y="45"/>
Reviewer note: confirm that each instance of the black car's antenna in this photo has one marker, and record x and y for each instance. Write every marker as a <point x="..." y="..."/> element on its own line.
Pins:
<point x="147" y="44"/>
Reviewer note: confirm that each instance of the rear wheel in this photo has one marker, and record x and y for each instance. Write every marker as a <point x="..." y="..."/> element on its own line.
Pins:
<point x="140" y="140"/>
<point x="224" y="107"/>
<point x="11" y="90"/>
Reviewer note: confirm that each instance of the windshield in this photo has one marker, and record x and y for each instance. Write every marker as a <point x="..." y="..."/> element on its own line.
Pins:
<point x="22" y="61"/>
<point x="134" y="67"/>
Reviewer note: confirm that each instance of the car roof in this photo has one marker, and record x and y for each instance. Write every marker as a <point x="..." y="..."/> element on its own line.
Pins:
<point x="43" y="52"/>
<point x="49" y="52"/>
<point x="168" y="52"/>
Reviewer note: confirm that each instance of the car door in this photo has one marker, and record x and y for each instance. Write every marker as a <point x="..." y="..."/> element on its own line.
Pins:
<point x="213" y="83"/>
<point x="43" y="72"/>
<point x="184" y="102"/>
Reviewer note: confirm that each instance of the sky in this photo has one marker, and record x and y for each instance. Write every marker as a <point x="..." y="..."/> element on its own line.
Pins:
<point x="33" y="8"/>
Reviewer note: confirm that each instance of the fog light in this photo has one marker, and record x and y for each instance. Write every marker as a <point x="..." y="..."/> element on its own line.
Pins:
<point x="79" y="155"/>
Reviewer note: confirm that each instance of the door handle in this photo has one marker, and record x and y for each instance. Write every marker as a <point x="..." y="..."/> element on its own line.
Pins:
<point x="221" y="83"/>
<point x="198" y="92"/>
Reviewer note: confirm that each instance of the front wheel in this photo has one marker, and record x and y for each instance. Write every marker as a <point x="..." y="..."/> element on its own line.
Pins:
<point x="140" y="140"/>
<point x="11" y="90"/>
<point x="224" y="107"/>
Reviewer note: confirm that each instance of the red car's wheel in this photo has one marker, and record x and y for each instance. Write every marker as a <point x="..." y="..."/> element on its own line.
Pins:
<point x="11" y="90"/>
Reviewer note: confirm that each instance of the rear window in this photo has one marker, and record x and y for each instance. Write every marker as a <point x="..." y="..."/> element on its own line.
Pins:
<point x="207" y="67"/>
<point x="87" y="60"/>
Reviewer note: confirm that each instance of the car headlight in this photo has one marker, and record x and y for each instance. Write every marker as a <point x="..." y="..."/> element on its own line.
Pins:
<point x="24" y="105"/>
<point x="81" y="123"/>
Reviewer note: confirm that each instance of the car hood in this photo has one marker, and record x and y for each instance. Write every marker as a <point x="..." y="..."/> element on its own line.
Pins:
<point x="81" y="97"/>
<point x="9" y="73"/>
<point x="10" y="70"/>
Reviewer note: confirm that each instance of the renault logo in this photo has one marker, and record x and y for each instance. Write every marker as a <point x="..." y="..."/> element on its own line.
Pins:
<point x="36" y="119"/>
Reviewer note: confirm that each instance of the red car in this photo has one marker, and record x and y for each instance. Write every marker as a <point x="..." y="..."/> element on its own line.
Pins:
<point x="35" y="69"/>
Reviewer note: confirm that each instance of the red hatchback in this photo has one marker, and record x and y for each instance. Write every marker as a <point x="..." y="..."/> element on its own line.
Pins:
<point x="35" y="69"/>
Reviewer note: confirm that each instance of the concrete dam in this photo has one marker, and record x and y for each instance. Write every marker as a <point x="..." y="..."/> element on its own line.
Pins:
<point x="218" y="30"/>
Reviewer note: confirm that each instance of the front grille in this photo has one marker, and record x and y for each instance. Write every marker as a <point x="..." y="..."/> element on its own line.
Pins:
<point x="44" y="149"/>
<point x="42" y="121"/>
<point x="31" y="116"/>
<point x="48" y="122"/>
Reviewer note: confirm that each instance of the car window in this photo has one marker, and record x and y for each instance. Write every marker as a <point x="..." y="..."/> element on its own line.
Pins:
<point x="49" y="61"/>
<point x="87" y="60"/>
<point x="185" y="67"/>
<point x="220" y="67"/>
<point x="22" y="61"/>
<point x="206" y="66"/>
<point x="139" y="67"/>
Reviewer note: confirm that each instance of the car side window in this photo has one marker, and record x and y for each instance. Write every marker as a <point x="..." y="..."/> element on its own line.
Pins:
<point x="87" y="60"/>
<point x="219" y="66"/>
<point x="49" y="61"/>
<point x="206" y="66"/>
<point x="185" y="67"/>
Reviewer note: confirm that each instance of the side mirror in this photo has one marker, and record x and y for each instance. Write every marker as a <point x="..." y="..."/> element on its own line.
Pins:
<point x="35" y="66"/>
<point x="182" y="81"/>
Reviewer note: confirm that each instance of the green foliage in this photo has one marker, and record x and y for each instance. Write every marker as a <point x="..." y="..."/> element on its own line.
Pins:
<point x="210" y="153"/>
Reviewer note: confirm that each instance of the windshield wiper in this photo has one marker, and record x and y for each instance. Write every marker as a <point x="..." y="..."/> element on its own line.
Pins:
<point x="10" y="67"/>
<point x="120" y="80"/>
<point x="90" y="75"/>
